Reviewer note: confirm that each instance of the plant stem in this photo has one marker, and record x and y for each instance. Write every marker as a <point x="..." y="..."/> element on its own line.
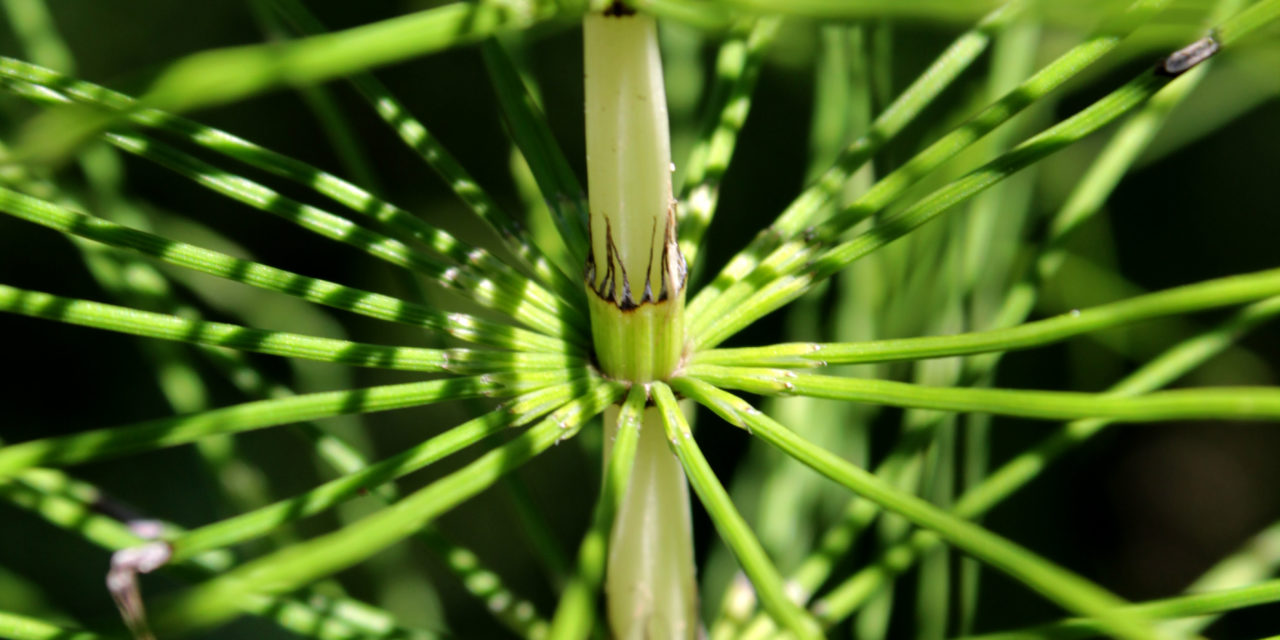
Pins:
<point x="650" y="576"/>
<point x="635" y="272"/>
<point x="635" y="276"/>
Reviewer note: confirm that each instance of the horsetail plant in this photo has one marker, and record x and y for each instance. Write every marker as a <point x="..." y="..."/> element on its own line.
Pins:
<point x="906" y="281"/>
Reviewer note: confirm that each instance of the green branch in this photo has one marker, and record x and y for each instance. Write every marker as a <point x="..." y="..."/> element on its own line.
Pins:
<point x="1059" y="585"/>
<point x="259" y="275"/>
<point x="279" y="343"/>
<point x="1217" y="403"/>
<point x="167" y="432"/>
<point x="735" y="531"/>
<point x="1202" y="296"/>
<point x="288" y="569"/>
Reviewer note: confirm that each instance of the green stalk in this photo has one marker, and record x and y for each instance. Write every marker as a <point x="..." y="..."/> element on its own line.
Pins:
<point x="649" y="579"/>
<point x="635" y="271"/>
<point x="635" y="277"/>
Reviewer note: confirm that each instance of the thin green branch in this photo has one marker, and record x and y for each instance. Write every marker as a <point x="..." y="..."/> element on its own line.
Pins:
<point x="1202" y="296"/>
<point x="1067" y="589"/>
<point x="261" y="521"/>
<point x="737" y="68"/>
<point x="349" y="195"/>
<point x="224" y="596"/>
<point x="735" y="531"/>
<point x="79" y="507"/>
<point x="575" y="614"/>
<point x="280" y="343"/>
<point x="795" y="266"/>
<point x="505" y="291"/>
<point x="1085" y="200"/>
<point x="214" y="263"/>
<point x="921" y="93"/>
<point x="510" y="609"/>
<point x="18" y="627"/>
<point x="341" y="134"/>
<point x="1178" y="607"/>
<point x="528" y="128"/>
<point x="167" y="432"/>
<point x="509" y="293"/>
<point x="1016" y="473"/>
<point x="772" y="283"/>
<point x="421" y="141"/>
<point x="226" y="75"/>
<point x="1217" y="403"/>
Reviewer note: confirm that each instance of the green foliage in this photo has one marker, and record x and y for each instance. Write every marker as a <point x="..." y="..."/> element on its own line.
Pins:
<point x="951" y="200"/>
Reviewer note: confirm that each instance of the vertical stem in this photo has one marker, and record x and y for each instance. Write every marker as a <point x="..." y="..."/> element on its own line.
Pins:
<point x="650" y="583"/>
<point x="635" y="272"/>
<point x="635" y="277"/>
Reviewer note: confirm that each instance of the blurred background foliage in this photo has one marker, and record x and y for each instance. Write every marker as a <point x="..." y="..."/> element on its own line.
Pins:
<point x="1142" y="510"/>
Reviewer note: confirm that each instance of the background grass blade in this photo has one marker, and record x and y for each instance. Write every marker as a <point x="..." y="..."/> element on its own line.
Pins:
<point x="737" y="68"/>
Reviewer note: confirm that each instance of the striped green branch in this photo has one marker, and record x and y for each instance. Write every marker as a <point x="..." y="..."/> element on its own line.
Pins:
<point x="796" y="254"/>
<point x="508" y="608"/>
<point x="341" y="191"/>
<point x="1085" y="200"/>
<point x="733" y="529"/>
<point x="235" y="73"/>
<point x="528" y="128"/>
<point x="1026" y="466"/>
<point x="1068" y="590"/>
<point x="255" y="274"/>
<point x="1218" y="403"/>
<point x="576" y="611"/>
<point x="795" y="266"/>
<point x="225" y="75"/>
<point x="1186" y="299"/>
<point x="167" y="432"/>
<point x="420" y="140"/>
<point x="18" y="627"/>
<point x="1178" y="607"/>
<point x="292" y="345"/>
<point x="920" y="94"/>
<point x="737" y="68"/>
<point x="77" y="506"/>
<point x="510" y="293"/>
<point x="261" y="521"/>
<point x="286" y="570"/>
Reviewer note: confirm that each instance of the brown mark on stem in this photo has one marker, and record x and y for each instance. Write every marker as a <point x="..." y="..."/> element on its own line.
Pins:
<point x="1186" y="58"/>
<point x="672" y="270"/>
<point x="619" y="9"/>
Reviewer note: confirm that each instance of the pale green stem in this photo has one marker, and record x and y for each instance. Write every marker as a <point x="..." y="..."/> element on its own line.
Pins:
<point x="635" y="279"/>
<point x="635" y="272"/>
<point x="650" y="577"/>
